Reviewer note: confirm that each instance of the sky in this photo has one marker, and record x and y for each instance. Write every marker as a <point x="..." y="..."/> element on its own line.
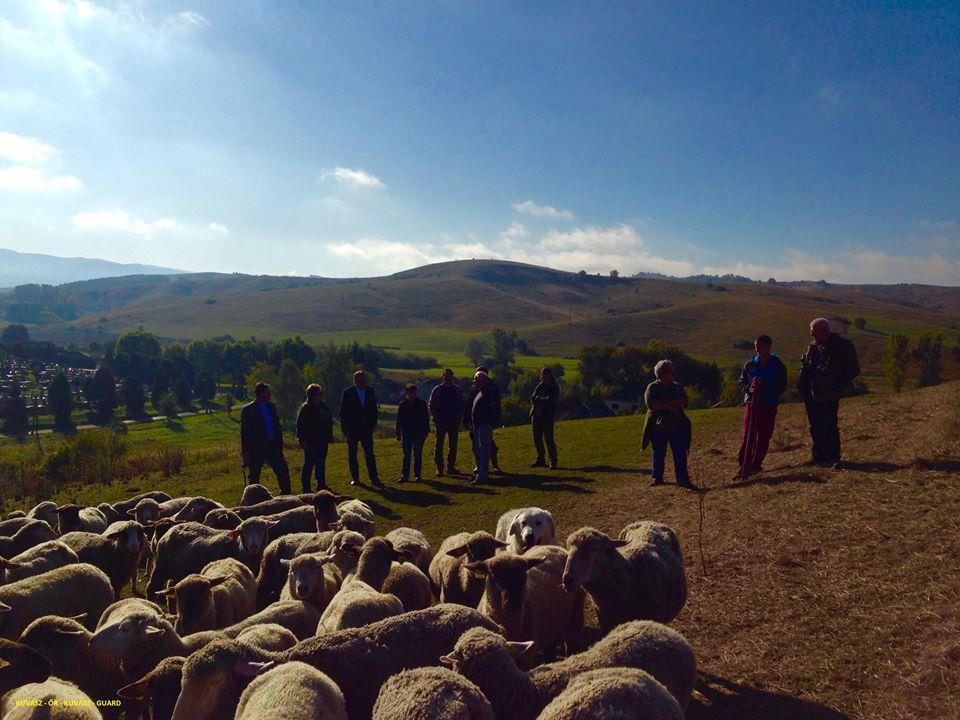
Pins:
<point x="769" y="139"/>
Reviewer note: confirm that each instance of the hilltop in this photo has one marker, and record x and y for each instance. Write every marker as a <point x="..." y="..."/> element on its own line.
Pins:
<point x="438" y="307"/>
<point x="18" y="268"/>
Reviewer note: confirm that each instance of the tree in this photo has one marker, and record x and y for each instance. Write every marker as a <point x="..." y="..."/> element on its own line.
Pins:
<point x="504" y="346"/>
<point x="860" y="323"/>
<point x="168" y="407"/>
<point x="898" y="354"/>
<point x="614" y="274"/>
<point x="927" y="353"/>
<point x="103" y="393"/>
<point x="133" y="353"/>
<point x="16" y="418"/>
<point x="60" y="399"/>
<point x="289" y="389"/>
<point x="182" y="392"/>
<point x="333" y="369"/>
<point x="476" y="351"/>
<point x="15" y="334"/>
<point x="160" y="387"/>
<point x="292" y="349"/>
<point x="205" y="388"/>
<point x="133" y="396"/>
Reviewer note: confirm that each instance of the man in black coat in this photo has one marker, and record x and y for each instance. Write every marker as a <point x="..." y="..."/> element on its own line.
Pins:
<point x="413" y="426"/>
<point x="446" y="405"/>
<point x="829" y="366"/>
<point x="493" y="393"/>
<point x="261" y="438"/>
<point x="543" y="413"/>
<point x="358" y="419"/>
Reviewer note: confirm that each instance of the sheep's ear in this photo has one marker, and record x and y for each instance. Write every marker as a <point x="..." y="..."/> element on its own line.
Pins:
<point x="79" y="617"/>
<point x="9" y="564"/>
<point x="154" y="630"/>
<point x="233" y="534"/>
<point x="533" y="562"/>
<point x="461" y="550"/>
<point x="500" y="544"/>
<point x="519" y="648"/>
<point x="250" y="668"/>
<point x="478" y="569"/>
<point x="617" y="543"/>
<point x="75" y="631"/>
<point x="449" y="660"/>
<point x="139" y="690"/>
<point x="132" y="512"/>
<point x="218" y="581"/>
<point x="272" y="523"/>
<point x="169" y="591"/>
<point x="341" y="498"/>
<point x="286" y="563"/>
<point x="115" y="535"/>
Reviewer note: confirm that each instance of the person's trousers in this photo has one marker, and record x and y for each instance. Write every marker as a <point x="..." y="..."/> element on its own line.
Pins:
<point x="824" y="430"/>
<point x="483" y="448"/>
<point x="494" y="450"/>
<point x="412" y="446"/>
<point x="272" y="456"/>
<point x="445" y="431"/>
<point x="678" y="444"/>
<point x="763" y="417"/>
<point x="314" y="460"/>
<point x="543" y="433"/>
<point x="365" y="439"/>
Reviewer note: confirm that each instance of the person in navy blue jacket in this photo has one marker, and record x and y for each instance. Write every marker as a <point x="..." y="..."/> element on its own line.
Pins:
<point x="413" y="426"/>
<point x="762" y="381"/>
<point x="261" y="438"/>
<point x="446" y="409"/>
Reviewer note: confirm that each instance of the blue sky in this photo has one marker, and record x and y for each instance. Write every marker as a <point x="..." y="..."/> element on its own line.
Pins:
<point x="794" y="140"/>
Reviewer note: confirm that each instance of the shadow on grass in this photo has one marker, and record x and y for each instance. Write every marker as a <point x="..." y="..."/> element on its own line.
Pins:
<point x="604" y="469"/>
<point x="409" y="496"/>
<point x="456" y="489"/>
<point x="727" y="700"/>
<point x="767" y="480"/>
<point x="871" y="467"/>
<point x="175" y="426"/>
<point x="547" y="483"/>
<point x="941" y="464"/>
<point x="381" y="510"/>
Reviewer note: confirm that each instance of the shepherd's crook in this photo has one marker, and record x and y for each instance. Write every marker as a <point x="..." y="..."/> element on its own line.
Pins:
<point x="747" y="461"/>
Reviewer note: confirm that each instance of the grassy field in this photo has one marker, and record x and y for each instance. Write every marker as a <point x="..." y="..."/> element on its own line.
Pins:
<point x="812" y="593"/>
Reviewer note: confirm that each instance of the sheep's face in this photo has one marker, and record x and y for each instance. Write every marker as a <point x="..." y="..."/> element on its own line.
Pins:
<point x="56" y="637"/>
<point x="506" y="578"/>
<point x="47" y="511"/>
<point x="531" y="527"/>
<point x="24" y="665"/>
<point x="479" y="546"/>
<point x="127" y="635"/>
<point x="253" y="494"/>
<point x="213" y="678"/>
<point x="254" y="534"/>
<point x="130" y="538"/>
<point x="196" y="509"/>
<point x="194" y="601"/>
<point x="69" y="518"/>
<point x="306" y="575"/>
<point x="587" y="554"/>
<point x="325" y="508"/>
<point x="159" y="687"/>
<point x="478" y="651"/>
<point x="147" y="511"/>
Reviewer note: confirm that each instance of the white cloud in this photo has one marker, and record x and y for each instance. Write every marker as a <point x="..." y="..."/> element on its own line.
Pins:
<point x="190" y="18"/>
<point x="36" y="180"/>
<point x="515" y="232"/>
<point x="219" y="228"/>
<point x="120" y="221"/>
<point x="25" y="150"/>
<point x="542" y="211"/>
<point x="357" y="179"/>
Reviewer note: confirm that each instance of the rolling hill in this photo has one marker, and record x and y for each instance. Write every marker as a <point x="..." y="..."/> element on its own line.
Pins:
<point x="438" y="307"/>
<point x="18" y="268"/>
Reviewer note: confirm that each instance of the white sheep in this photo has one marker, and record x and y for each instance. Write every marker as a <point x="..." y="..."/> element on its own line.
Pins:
<point x="38" y="559"/>
<point x="116" y="552"/>
<point x="640" y="576"/>
<point x="53" y="699"/>
<point x="46" y="511"/>
<point x="74" y="518"/>
<point x="158" y="689"/>
<point x="524" y="528"/>
<point x="32" y="533"/>
<point x="414" y="543"/>
<point x="360" y="601"/>
<point x="312" y="578"/>
<point x="613" y="694"/>
<point x="292" y="690"/>
<point x="451" y="580"/>
<point x="67" y="591"/>
<point x="269" y="637"/>
<point x="220" y="595"/>
<point x="431" y="693"/>
<point x="253" y="494"/>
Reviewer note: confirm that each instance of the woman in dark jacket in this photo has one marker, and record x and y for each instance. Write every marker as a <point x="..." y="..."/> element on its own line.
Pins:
<point x="667" y="424"/>
<point x="314" y="433"/>
<point x="543" y="412"/>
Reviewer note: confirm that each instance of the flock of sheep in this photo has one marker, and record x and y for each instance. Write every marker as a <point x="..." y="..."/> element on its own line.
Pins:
<point x="290" y="607"/>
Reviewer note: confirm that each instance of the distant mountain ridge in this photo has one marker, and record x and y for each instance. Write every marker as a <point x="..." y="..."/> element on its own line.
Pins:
<point x="17" y="268"/>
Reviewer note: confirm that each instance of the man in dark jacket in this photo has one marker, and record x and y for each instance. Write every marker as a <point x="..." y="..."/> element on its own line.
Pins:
<point x="261" y="438"/>
<point x="484" y="414"/>
<point x="494" y="395"/>
<point x="314" y="433"/>
<point x="358" y="419"/>
<point x="446" y="406"/>
<point x="762" y="381"/>
<point x="543" y="412"/>
<point x="413" y="426"/>
<point x="829" y="366"/>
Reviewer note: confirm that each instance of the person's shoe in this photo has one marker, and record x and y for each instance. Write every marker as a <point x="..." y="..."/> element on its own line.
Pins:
<point x="537" y="463"/>
<point x="655" y="482"/>
<point x="687" y="485"/>
<point x="497" y="470"/>
<point x="438" y="473"/>
<point x="756" y="469"/>
<point x="838" y="465"/>
<point x="553" y="464"/>
<point x="402" y="479"/>
<point x="453" y="471"/>
<point x="418" y="479"/>
<point x="355" y="482"/>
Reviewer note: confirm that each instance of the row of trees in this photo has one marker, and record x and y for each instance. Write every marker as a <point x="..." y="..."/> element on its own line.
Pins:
<point x="927" y="353"/>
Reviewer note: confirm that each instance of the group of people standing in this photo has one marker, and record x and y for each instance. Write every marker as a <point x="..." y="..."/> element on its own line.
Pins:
<point x="827" y="369"/>
<point x="261" y="433"/>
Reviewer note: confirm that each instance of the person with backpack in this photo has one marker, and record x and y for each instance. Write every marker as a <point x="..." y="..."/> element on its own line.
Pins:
<point x="829" y="366"/>
<point x="763" y="379"/>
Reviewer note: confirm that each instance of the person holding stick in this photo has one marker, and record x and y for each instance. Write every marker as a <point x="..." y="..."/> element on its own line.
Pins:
<point x="763" y="379"/>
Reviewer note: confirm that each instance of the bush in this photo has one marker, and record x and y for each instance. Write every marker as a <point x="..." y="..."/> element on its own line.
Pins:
<point x="514" y="411"/>
<point x="171" y="460"/>
<point x="168" y="407"/>
<point x="94" y="456"/>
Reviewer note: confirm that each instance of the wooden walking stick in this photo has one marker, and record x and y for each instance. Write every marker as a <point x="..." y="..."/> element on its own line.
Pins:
<point x="747" y="461"/>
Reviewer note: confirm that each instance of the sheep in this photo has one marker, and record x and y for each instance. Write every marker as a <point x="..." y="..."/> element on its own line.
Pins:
<point x="116" y="552"/>
<point x="75" y="518"/>
<point x="360" y="601"/>
<point x="613" y="694"/>
<point x="108" y="512"/>
<point x="292" y="690"/>
<point x="121" y="507"/>
<point x="146" y="511"/>
<point x="360" y="660"/>
<point x="15" y="514"/>
<point x="195" y="509"/>
<point x="137" y="638"/>
<point x="189" y="546"/>
<point x="268" y="507"/>
<point x="486" y="658"/>
<point x="454" y="583"/>
<point x="38" y="559"/>
<point x="357" y="507"/>
<point x="415" y="543"/>
<point x="67" y="645"/>
<point x="431" y="693"/>
<point x="13" y="523"/>
<point x="46" y="511"/>
<point x="408" y="583"/>
<point x="640" y="576"/>
<point x="273" y="573"/>
<point x="67" y="591"/>
<point x="523" y="595"/>
<point x="53" y="699"/>
<point x="222" y="519"/>
<point x="31" y="534"/>
<point x="158" y="688"/>
<point x="253" y="494"/>
<point x="525" y="528"/>
<point x="294" y="520"/>
<point x="125" y="607"/>
<point x="298" y="617"/>
<point x="312" y="578"/>
<point x="221" y="594"/>
<point x="23" y="664"/>
<point x="269" y="637"/>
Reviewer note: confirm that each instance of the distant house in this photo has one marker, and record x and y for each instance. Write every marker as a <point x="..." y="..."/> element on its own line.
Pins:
<point x="624" y="401"/>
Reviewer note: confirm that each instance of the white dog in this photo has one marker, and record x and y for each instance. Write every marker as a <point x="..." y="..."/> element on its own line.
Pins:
<point x="524" y="528"/>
